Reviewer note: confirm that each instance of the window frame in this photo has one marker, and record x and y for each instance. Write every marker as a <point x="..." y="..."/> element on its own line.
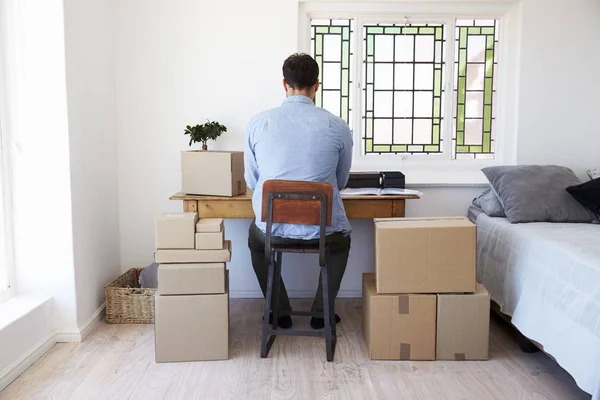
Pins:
<point x="7" y="248"/>
<point x="434" y="168"/>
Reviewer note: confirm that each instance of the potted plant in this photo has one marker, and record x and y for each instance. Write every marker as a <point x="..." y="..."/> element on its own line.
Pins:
<point x="211" y="173"/>
<point x="205" y="132"/>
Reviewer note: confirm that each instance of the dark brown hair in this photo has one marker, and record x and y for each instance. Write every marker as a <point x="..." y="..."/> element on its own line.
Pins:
<point x="300" y="71"/>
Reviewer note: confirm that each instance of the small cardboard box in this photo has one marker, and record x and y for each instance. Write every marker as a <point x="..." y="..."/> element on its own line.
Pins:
<point x="175" y="230"/>
<point x="425" y="255"/>
<point x="463" y="325"/>
<point x="174" y="279"/>
<point x="398" y="327"/>
<point x="213" y="173"/>
<point x="209" y="225"/>
<point x="192" y="327"/>
<point x="167" y="256"/>
<point x="210" y="240"/>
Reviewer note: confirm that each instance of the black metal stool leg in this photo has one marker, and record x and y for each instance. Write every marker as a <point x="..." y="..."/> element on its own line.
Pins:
<point x="331" y="306"/>
<point x="326" y="313"/>
<point x="277" y="288"/>
<point x="264" y="345"/>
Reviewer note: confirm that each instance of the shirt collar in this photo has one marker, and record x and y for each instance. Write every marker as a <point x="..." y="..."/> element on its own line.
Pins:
<point x="298" y="99"/>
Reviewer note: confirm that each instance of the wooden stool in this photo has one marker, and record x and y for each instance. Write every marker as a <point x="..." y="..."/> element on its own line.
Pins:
<point x="299" y="203"/>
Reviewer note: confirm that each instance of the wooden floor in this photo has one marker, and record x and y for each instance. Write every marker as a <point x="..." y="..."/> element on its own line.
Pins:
<point x="117" y="362"/>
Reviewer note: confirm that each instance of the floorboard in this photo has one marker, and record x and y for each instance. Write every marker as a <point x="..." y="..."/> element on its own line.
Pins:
<point x="117" y="362"/>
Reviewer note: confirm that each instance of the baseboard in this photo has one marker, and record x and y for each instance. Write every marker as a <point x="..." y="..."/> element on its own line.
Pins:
<point x="79" y="335"/>
<point x="15" y="369"/>
<point x="294" y="294"/>
<point x="93" y="322"/>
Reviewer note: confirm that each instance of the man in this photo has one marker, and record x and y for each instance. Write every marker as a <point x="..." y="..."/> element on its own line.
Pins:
<point x="299" y="142"/>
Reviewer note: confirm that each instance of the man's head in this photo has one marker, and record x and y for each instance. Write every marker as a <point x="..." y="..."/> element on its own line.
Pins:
<point x="301" y="75"/>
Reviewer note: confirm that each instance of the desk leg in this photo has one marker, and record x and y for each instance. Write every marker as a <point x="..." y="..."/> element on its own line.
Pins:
<point x="190" y="206"/>
<point x="398" y="208"/>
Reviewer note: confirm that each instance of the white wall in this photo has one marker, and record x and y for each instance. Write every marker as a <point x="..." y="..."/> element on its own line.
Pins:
<point x="89" y="47"/>
<point x="559" y="87"/>
<point x="179" y="63"/>
<point x="182" y="62"/>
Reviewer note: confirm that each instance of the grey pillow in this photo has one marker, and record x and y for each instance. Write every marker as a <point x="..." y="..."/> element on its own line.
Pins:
<point x="489" y="203"/>
<point x="536" y="193"/>
<point x="149" y="276"/>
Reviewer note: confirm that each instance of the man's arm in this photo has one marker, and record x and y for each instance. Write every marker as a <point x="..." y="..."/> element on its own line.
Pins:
<point x="250" y="165"/>
<point x="345" y="160"/>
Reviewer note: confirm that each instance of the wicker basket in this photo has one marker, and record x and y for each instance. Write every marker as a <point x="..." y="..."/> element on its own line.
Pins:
<point x="127" y="303"/>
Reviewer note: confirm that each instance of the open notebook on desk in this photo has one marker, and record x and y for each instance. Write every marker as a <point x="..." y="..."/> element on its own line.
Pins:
<point x="380" y="192"/>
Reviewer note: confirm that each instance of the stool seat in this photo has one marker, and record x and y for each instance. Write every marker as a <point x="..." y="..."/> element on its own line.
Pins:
<point x="299" y="248"/>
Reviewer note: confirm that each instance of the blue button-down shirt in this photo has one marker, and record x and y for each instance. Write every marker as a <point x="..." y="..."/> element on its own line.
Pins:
<point x="299" y="142"/>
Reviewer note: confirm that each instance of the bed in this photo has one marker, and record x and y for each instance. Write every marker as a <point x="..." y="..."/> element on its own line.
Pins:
<point x="546" y="277"/>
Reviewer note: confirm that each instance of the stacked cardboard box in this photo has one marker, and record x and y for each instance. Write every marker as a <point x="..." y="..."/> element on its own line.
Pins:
<point x="423" y="302"/>
<point x="192" y="301"/>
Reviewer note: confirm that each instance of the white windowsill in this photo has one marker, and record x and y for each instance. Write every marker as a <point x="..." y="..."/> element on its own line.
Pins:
<point x="17" y="307"/>
<point x="438" y="177"/>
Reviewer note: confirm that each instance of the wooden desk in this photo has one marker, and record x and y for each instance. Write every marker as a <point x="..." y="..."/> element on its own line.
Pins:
<point x="241" y="206"/>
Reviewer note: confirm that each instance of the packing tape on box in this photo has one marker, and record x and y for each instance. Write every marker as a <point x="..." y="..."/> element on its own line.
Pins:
<point x="459" y="357"/>
<point x="405" y="351"/>
<point x="403" y="305"/>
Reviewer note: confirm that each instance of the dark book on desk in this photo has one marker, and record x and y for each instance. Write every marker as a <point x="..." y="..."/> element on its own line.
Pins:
<point x="364" y="179"/>
<point x="392" y="179"/>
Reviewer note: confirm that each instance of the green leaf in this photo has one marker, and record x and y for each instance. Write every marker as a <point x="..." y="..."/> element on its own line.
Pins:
<point x="210" y="130"/>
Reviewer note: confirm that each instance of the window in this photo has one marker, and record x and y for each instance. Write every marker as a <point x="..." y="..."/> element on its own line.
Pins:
<point x="6" y="265"/>
<point x="5" y="241"/>
<point x="476" y="55"/>
<point x="402" y="95"/>
<point x="331" y="44"/>
<point x="412" y="88"/>
<point x="6" y="249"/>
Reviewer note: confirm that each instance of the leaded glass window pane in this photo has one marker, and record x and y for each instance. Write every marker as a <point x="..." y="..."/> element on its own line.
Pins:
<point x="402" y="96"/>
<point x="331" y="48"/>
<point x="476" y="64"/>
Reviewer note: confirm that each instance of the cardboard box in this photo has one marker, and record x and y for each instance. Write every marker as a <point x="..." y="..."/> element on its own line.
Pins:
<point x="210" y="240"/>
<point x="168" y="256"/>
<point x="210" y="225"/>
<point x="175" y="230"/>
<point x="213" y="173"/>
<point x="398" y="327"/>
<point x="463" y="325"/>
<point x="192" y="327"/>
<point x="425" y="255"/>
<point x="174" y="279"/>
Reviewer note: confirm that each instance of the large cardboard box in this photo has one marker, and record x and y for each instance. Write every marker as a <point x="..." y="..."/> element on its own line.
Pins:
<point x="209" y="225"/>
<point x="425" y="255"/>
<point x="463" y="325"/>
<point x="168" y="256"/>
<point x="175" y="230"/>
<point x="213" y="173"/>
<point x="210" y="240"/>
<point x="398" y="327"/>
<point x="192" y="327"/>
<point x="206" y="278"/>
